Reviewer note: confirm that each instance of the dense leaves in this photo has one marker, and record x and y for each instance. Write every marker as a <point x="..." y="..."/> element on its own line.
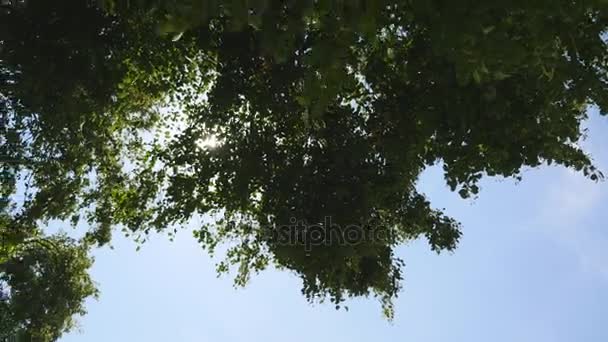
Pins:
<point x="43" y="284"/>
<point x="299" y="128"/>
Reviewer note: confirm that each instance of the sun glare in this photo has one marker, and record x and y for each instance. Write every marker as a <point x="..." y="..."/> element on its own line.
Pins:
<point x="208" y="142"/>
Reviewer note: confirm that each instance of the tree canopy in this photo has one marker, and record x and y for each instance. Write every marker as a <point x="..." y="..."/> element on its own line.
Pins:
<point x="43" y="281"/>
<point x="299" y="127"/>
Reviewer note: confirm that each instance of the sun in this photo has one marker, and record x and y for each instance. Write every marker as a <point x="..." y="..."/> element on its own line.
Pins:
<point x="208" y="142"/>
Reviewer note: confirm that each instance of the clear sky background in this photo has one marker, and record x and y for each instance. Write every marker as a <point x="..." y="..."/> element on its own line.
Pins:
<point x="532" y="266"/>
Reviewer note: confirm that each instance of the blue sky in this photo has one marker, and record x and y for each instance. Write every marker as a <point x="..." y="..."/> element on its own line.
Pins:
<point x="532" y="266"/>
